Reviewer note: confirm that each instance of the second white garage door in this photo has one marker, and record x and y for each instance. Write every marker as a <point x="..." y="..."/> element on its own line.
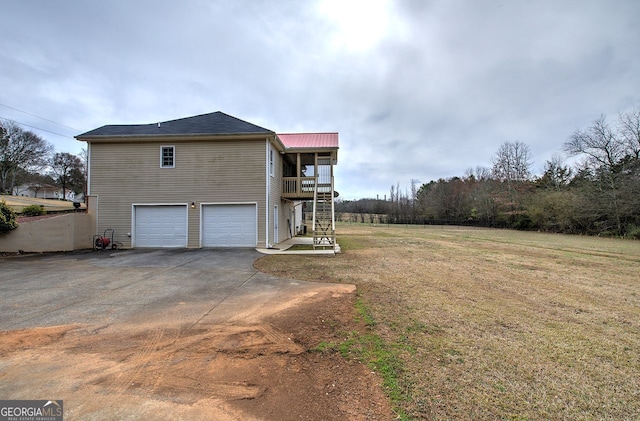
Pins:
<point x="232" y="225"/>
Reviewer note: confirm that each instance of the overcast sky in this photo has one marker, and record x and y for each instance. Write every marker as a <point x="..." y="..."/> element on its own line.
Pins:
<point x="418" y="89"/>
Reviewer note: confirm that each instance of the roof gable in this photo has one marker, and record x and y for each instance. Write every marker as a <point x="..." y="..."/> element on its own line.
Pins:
<point x="217" y="123"/>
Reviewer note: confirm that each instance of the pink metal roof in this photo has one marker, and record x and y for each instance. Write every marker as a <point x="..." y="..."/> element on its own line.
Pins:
<point x="309" y="140"/>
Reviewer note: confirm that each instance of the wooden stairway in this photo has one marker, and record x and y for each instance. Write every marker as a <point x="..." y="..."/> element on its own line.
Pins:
<point x="324" y="233"/>
<point x="324" y="230"/>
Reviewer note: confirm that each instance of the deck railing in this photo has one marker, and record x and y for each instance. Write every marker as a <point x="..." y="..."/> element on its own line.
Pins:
<point x="298" y="187"/>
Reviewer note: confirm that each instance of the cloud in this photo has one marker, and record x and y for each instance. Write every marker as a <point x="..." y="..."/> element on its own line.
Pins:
<point x="417" y="89"/>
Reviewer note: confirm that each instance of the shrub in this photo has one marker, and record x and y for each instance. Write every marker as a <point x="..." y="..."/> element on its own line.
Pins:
<point x="33" y="210"/>
<point x="522" y="222"/>
<point x="7" y="218"/>
<point x="633" y="232"/>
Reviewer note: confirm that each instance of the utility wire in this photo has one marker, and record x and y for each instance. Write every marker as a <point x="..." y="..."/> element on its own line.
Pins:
<point x="37" y="128"/>
<point x="41" y="118"/>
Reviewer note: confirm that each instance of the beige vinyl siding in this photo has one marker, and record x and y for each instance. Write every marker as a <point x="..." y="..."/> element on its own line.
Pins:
<point x="211" y="171"/>
<point x="275" y="193"/>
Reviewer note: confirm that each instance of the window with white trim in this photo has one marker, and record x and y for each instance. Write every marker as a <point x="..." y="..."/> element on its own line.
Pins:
<point x="167" y="156"/>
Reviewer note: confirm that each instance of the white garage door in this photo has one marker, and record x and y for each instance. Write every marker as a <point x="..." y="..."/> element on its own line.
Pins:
<point x="229" y="225"/>
<point x="160" y="226"/>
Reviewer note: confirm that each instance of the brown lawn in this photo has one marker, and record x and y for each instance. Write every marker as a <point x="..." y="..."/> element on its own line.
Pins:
<point x="17" y="203"/>
<point x="493" y="324"/>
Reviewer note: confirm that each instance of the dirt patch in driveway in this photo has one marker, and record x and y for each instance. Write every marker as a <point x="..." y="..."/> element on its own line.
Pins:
<point x="263" y="370"/>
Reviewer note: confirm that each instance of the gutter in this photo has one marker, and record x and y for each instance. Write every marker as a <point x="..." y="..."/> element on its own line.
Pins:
<point x="161" y="136"/>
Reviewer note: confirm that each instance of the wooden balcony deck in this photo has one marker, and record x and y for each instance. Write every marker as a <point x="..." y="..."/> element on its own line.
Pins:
<point x="302" y="187"/>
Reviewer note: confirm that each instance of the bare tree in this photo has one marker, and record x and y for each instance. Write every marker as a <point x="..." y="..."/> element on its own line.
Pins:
<point x="20" y="149"/>
<point x="68" y="171"/>
<point x="483" y="203"/>
<point x="512" y="166"/>
<point x="512" y="162"/>
<point x="395" y="201"/>
<point x="629" y="128"/>
<point x="556" y="173"/>
<point x="604" y="150"/>
<point x="599" y="143"/>
<point x="414" y="198"/>
<point x="478" y="173"/>
<point x="84" y="156"/>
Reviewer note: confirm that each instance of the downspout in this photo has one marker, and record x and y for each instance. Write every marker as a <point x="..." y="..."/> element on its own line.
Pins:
<point x="88" y="189"/>
<point x="268" y="184"/>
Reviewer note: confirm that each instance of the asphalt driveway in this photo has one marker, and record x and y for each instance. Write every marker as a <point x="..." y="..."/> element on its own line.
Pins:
<point x="170" y="334"/>
<point x="103" y="287"/>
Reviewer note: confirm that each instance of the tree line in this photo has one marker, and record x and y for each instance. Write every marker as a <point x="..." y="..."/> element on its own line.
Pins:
<point x="29" y="161"/>
<point x="599" y="194"/>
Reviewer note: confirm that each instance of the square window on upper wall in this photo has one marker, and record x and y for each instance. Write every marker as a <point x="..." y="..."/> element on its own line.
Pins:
<point x="167" y="156"/>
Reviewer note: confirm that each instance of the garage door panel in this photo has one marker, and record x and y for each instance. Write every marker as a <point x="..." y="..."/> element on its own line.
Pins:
<point x="160" y="226"/>
<point x="229" y="225"/>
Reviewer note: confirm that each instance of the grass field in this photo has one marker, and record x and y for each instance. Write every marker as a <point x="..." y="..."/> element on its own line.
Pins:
<point x="492" y="324"/>
<point x="18" y="202"/>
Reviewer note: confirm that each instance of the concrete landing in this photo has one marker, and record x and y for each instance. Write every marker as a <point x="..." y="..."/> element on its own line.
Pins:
<point x="285" y="248"/>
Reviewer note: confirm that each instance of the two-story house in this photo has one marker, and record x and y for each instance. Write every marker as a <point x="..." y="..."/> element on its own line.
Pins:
<point x="210" y="180"/>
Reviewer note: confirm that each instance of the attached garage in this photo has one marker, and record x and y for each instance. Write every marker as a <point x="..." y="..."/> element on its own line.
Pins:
<point x="159" y="226"/>
<point x="229" y="225"/>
